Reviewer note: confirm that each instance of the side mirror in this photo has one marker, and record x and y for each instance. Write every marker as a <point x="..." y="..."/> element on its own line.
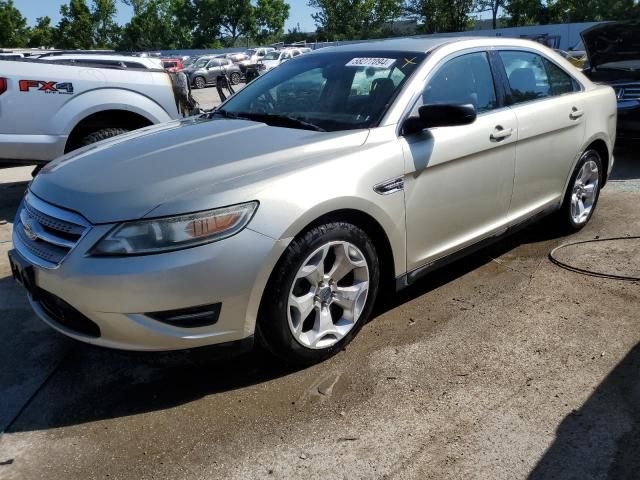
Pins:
<point x="445" y="115"/>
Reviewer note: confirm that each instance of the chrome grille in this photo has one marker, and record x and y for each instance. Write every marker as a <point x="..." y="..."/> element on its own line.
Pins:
<point x="628" y="92"/>
<point x="45" y="234"/>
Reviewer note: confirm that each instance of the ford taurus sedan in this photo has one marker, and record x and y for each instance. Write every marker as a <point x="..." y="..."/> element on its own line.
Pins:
<point x="283" y="214"/>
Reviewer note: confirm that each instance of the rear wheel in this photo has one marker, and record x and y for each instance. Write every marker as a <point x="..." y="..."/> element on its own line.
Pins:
<point x="320" y="294"/>
<point x="102" y="134"/>
<point x="235" y="78"/>
<point x="582" y="194"/>
<point x="199" y="82"/>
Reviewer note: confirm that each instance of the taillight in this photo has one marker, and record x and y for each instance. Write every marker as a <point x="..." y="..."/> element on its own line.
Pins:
<point x="3" y="85"/>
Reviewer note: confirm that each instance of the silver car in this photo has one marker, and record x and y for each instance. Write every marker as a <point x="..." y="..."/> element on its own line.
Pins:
<point x="282" y="215"/>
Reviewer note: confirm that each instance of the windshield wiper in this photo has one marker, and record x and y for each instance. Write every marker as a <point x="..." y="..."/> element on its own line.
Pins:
<point x="277" y="120"/>
<point x="222" y="113"/>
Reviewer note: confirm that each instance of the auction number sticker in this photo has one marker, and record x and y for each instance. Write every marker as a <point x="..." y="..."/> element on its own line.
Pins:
<point x="371" y="62"/>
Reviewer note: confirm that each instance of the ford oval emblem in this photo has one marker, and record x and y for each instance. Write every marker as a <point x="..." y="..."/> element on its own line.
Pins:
<point x="28" y="231"/>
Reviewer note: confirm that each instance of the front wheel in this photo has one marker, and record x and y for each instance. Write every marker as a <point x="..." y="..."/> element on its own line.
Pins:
<point x="320" y="294"/>
<point x="582" y="194"/>
<point x="199" y="82"/>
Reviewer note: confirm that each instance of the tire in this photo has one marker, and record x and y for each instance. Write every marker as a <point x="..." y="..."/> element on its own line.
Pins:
<point x="102" y="134"/>
<point x="199" y="82"/>
<point x="284" y="329"/>
<point x="582" y="194"/>
<point x="235" y="78"/>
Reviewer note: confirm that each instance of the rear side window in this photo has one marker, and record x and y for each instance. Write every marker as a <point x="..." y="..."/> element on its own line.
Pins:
<point x="462" y="80"/>
<point x="561" y="81"/>
<point x="527" y="76"/>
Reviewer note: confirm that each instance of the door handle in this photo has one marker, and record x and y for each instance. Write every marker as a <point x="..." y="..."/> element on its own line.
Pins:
<point x="501" y="133"/>
<point x="576" y="113"/>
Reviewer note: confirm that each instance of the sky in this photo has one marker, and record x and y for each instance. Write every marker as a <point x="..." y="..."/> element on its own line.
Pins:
<point x="31" y="9"/>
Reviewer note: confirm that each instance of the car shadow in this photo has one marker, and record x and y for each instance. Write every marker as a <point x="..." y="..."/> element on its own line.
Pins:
<point x="10" y="196"/>
<point x="627" y="163"/>
<point x="130" y="383"/>
<point x="602" y="438"/>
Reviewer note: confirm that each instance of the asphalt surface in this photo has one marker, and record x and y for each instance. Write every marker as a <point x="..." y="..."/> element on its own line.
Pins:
<point x="501" y="366"/>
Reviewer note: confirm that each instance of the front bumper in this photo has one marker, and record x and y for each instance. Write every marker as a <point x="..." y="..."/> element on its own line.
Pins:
<point x="116" y="292"/>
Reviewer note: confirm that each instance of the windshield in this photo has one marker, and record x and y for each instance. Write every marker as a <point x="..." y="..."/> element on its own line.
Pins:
<point x="272" y="56"/>
<point x="333" y="91"/>
<point x="201" y="63"/>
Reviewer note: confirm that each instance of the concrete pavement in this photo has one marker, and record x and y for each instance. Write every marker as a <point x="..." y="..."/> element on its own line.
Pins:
<point x="500" y="366"/>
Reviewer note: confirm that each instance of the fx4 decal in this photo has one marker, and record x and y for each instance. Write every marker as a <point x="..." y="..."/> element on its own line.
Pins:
<point x="64" y="88"/>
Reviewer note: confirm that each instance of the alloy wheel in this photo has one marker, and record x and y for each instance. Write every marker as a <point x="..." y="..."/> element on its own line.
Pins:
<point x="585" y="192"/>
<point x="328" y="295"/>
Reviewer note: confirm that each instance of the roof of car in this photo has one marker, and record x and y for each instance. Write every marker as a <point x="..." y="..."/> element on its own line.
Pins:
<point x="426" y="44"/>
<point x="116" y="58"/>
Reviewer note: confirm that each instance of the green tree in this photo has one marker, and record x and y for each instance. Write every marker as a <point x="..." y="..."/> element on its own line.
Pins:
<point x="157" y="25"/>
<point x="75" y="29"/>
<point x="238" y="19"/>
<point x="13" y="26"/>
<point x="42" y="34"/>
<point x="207" y="17"/>
<point x="493" y="6"/>
<point x="441" y="15"/>
<point x="526" y="12"/>
<point x="354" y="19"/>
<point x="271" y="16"/>
<point x="594" y="10"/>
<point x="106" y="31"/>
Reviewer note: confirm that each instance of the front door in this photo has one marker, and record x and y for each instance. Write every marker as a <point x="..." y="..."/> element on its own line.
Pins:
<point x="459" y="180"/>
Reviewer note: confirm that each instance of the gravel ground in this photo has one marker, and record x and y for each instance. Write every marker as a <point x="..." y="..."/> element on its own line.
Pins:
<point x="501" y="366"/>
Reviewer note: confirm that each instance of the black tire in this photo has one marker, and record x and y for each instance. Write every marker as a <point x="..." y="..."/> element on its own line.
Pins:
<point x="235" y="78"/>
<point x="272" y="330"/>
<point x="102" y="134"/>
<point x="199" y="82"/>
<point x="563" y="219"/>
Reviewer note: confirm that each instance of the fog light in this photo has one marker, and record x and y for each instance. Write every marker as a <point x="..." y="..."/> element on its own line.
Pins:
<point x="192" y="317"/>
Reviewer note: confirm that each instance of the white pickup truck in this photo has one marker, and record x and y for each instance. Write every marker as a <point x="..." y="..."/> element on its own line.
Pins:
<point x="48" y="109"/>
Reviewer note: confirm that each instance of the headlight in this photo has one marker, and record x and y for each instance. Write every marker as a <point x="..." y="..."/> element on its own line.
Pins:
<point x="175" y="233"/>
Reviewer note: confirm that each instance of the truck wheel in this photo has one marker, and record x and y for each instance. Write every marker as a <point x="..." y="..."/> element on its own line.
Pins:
<point x="199" y="82"/>
<point x="102" y="134"/>
<point x="235" y="78"/>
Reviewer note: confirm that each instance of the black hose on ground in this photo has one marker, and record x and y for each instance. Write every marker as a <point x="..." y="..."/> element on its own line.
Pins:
<point x="591" y="273"/>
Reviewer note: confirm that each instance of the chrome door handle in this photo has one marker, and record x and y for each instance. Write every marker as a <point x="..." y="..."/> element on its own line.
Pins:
<point x="501" y="133"/>
<point x="576" y="113"/>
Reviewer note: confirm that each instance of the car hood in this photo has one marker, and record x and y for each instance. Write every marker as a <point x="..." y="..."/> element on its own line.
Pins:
<point x="128" y="177"/>
<point x="612" y="42"/>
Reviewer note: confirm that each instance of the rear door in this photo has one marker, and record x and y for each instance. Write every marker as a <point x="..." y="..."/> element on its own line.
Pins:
<point x="549" y="107"/>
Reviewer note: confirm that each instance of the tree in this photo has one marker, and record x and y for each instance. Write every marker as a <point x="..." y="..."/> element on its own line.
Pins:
<point x="106" y="31"/>
<point x="526" y="12"/>
<point x="354" y="19"/>
<point x="594" y="10"/>
<point x="157" y="25"/>
<point x="206" y="15"/>
<point x="238" y="19"/>
<point x="42" y="34"/>
<point x="492" y="6"/>
<point x="271" y="16"/>
<point x="75" y="29"/>
<point x="13" y="26"/>
<point x="441" y="15"/>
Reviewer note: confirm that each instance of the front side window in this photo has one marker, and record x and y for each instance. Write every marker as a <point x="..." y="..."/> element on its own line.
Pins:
<point x="333" y="91"/>
<point x="527" y="76"/>
<point x="466" y="79"/>
<point x="272" y="56"/>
